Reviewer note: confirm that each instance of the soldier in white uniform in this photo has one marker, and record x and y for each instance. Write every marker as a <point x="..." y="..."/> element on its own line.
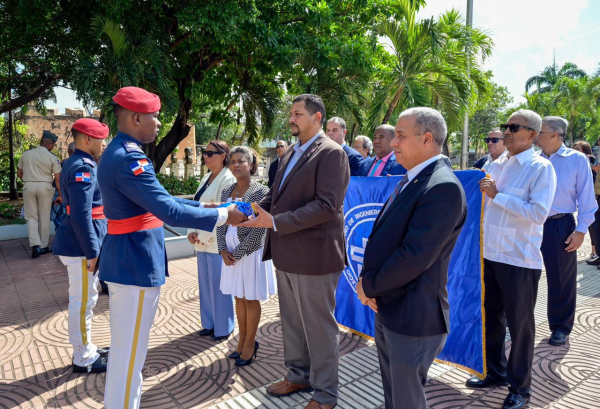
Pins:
<point x="37" y="168"/>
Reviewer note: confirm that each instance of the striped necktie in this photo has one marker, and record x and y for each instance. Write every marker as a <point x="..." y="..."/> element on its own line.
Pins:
<point x="375" y="167"/>
<point x="396" y="192"/>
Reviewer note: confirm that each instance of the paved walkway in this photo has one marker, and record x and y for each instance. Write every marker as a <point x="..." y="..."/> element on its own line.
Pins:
<point x="184" y="370"/>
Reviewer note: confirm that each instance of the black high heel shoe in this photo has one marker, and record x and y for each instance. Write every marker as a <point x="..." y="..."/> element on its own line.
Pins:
<point x="243" y="362"/>
<point x="236" y="354"/>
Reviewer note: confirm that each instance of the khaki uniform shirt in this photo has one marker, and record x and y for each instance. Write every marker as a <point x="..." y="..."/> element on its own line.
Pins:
<point x="39" y="165"/>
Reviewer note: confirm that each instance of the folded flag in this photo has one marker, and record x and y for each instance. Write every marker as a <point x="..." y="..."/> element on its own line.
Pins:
<point x="244" y="207"/>
<point x="139" y="166"/>
<point x="82" y="177"/>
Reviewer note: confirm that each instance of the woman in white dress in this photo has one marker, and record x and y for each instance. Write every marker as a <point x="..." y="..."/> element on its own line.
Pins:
<point x="244" y="275"/>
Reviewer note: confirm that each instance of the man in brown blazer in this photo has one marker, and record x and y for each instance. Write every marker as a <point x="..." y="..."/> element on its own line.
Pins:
<point x="305" y="240"/>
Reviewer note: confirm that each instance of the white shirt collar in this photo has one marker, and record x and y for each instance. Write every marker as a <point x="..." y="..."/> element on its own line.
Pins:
<point x="525" y="155"/>
<point x="417" y="169"/>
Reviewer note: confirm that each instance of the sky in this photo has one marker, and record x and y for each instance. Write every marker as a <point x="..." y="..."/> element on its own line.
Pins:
<point x="526" y="33"/>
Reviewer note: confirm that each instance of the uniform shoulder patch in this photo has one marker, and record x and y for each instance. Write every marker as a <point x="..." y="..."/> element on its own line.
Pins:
<point x="89" y="162"/>
<point x="139" y="166"/>
<point x="132" y="147"/>
<point x="82" y="177"/>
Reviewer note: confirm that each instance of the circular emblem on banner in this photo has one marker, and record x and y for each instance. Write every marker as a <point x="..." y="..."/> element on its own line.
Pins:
<point x="358" y="223"/>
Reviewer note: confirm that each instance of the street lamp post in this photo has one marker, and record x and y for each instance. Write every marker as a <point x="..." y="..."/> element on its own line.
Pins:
<point x="465" y="134"/>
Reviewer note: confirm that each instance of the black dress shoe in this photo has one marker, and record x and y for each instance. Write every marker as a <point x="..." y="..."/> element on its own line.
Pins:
<point x="36" y="251"/>
<point x="206" y="332"/>
<point x="46" y="250"/>
<point x="243" y="362"/>
<point x="236" y="354"/>
<point x="98" y="366"/>
<point x="487" y="382"/>
<point x="222" y="337"/>
<point x="558" y="338"/>
<point x="103" y="351"/>
<point x="515" y="401"/>
<point x="593" y="261"/>
<point x="103" y="287"/>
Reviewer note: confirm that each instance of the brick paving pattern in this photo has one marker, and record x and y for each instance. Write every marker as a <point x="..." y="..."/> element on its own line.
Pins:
<point x="184" y="370"/>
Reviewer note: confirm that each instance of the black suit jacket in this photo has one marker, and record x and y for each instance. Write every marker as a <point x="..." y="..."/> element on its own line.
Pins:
<point x="479" y="164"/>
<point x="407" y="254"/>
<point x="391" y="167"/>
<point x="354" y="158"/>
<point x="273" y="171"/>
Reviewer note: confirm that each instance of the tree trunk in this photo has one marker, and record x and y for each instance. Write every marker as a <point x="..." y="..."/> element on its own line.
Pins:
<point x="393" y="105"/>
<point x="445" y="149"/>
<point x="354" y="126"/>
<point x="179" y="131"/>
<point x="14" y="194"/>
<point x="12" y="104"/>
<point x="219" y="129"/>
<point x="572" y="130"/>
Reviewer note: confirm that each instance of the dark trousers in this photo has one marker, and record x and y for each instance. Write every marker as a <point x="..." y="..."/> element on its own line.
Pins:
<point x="510" y="295"/>
<point x="561" y="273"/>
<point x="595" y="227"/>
<point x="404" y="363"/>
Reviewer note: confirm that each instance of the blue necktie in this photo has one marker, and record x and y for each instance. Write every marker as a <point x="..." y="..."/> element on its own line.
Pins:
<point x="397" y="191"/>
<point x="375" y="167"/>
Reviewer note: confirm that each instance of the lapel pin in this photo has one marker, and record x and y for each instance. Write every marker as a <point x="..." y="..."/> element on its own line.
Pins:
<point x="416" y="180"/>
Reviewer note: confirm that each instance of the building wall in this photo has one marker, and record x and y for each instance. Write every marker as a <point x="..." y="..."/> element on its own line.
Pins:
<point x="60" y="125"/>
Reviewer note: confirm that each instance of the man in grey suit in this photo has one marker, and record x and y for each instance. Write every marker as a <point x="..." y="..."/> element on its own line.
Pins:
<point x="405" y="272"/>
<point x="305" y="240"/>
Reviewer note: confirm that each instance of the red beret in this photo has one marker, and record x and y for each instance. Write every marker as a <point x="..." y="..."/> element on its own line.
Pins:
<point x="91" y="127"/>
<point x="137" y="100"/>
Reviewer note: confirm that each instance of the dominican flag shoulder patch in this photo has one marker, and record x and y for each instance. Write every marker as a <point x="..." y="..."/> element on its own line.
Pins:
<point x="82" y="177"/>
<point x="139" y="166"/>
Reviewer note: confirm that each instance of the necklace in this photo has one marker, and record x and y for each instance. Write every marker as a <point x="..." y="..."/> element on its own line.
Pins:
<point x="238" y="193"/>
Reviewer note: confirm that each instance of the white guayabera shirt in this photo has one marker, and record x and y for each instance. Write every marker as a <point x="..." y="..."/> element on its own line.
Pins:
<point x="514" y="219"/>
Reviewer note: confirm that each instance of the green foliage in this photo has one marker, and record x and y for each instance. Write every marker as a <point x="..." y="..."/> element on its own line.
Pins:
<point x="488" y="114"/>
<point x="7" y="211"/>
<point x="177" y="186"/>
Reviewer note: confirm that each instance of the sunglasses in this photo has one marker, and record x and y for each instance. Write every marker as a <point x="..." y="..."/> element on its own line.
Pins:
<point x="280" y="146"/>
<point x="210" y="154"/>
<point x="514" y="127"/>
<point x="493" y="140"/>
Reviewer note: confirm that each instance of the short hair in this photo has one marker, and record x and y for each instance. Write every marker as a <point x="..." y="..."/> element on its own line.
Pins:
<point x="532" y="118"/>
<point x="585" y="147"/>
<point x="338" y="120"/>
<point x="251" y="157"/>
<point x="71" y="147"/>
<point x="559" y="125"/>
<point x="313" y="104"/>
<point x="388" y="128"/>
<point x="367" y="143"/>
<point x="496" y="129"/>
<point x="428" y="120"/>
<point x="284" y="143"/>
<point x="118" y="110"/>
<point x="222" y="147"/>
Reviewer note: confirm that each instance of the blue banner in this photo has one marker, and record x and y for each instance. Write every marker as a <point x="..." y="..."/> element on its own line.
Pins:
<point x="464" y="346"/>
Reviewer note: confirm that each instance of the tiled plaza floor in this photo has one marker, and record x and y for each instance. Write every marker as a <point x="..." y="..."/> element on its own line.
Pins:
<point x="184" y="370"/>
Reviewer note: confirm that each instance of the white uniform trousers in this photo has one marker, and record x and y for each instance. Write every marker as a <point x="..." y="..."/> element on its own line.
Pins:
<point x="83" y="295"/>
<point x="132" y="311"/>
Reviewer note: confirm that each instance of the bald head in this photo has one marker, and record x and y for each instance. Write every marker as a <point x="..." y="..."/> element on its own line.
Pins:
<point x="381" y="140"/>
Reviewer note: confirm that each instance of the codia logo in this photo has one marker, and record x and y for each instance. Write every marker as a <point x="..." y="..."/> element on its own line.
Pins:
<point x="358" y="223"/>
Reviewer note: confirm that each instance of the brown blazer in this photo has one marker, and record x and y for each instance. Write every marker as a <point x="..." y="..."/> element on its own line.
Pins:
<point x="308" y="211"/>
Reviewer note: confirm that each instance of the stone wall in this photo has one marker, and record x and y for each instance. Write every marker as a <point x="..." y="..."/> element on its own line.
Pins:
<point x="60" y="125"/>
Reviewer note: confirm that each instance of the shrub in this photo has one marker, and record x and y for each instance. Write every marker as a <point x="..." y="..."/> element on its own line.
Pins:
<point x="178" y="186"/>
<point x="7" y="211"/>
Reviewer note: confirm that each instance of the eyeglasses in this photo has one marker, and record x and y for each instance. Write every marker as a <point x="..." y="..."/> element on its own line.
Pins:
<point x="514" y="127"/>
<point x="280" y="146"/>
<point x="210" y="154"/>
<point x="493" y="140"/>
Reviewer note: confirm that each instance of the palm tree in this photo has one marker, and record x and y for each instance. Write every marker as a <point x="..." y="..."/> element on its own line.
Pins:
<point x="429" y="64"/>
<point x="578" y="98"/>
<point x="123" y="61"/>
<point x="545" y="80"/>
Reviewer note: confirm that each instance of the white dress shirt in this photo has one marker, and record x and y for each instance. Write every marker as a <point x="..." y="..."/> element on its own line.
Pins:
<point x="514" y="219"/>
<point x="574" y="187"/>
<point x="411" y="174"/>
<point x="489" y="161"/>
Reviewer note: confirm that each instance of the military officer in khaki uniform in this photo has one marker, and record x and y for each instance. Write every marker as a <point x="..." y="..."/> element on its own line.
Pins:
<point x="36" y="169"/>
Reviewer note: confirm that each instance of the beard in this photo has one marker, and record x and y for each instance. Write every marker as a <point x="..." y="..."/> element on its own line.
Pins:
<point x="295" y="131"/>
